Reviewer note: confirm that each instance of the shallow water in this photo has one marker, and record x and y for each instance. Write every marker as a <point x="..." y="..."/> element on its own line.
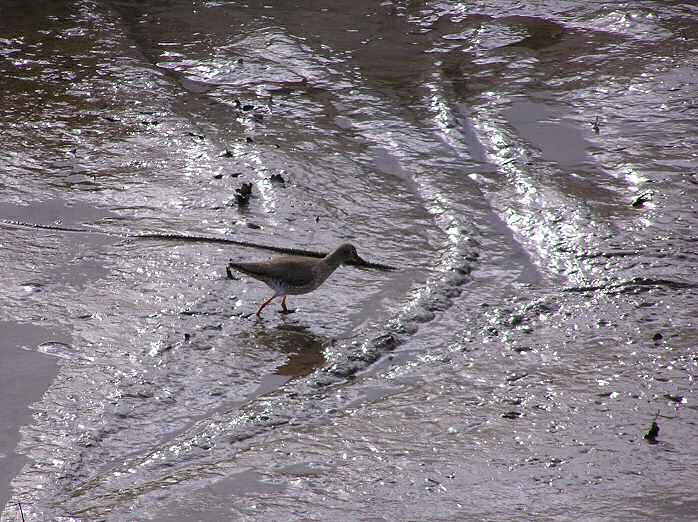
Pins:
<point x="542" y="319"/>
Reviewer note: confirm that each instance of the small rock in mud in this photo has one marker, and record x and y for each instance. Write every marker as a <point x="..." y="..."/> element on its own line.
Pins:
<point x="86" y="440"/>
<point x="247" y="107"/>
<point x="243" y="193"/>
<point x="346" y="369"/>
<point x="421" y="315"/>
<point x="218" y="176"/>
<point x="513" y="377"/>
<point x="324" y="380"/>
<point x="254" y="226"/>
<point x="195" y="135"/>
<point x="521" y="349"/>
<point x="249" y="140"/>
<point x="204" y="443"/>
<point x="678" y="399"/>
<point x="641" y="199"/>
<point x="511" y="415"/>
<point x="491" y="331"/>
<point x="225" y="154"/>
<point x="651" y="435"/>
<point x="277" y="178"/>
<point x="657" y="337"/>
<point x="230" y="274"/>
<point x="386" y="342"/>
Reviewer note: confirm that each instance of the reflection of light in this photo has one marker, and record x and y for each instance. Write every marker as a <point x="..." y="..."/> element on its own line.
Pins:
<point x="154" y="349"/>
<point x="634" y="178"/>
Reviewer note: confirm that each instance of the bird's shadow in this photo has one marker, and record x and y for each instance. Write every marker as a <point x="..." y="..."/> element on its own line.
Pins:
<point x="304" y="349"/>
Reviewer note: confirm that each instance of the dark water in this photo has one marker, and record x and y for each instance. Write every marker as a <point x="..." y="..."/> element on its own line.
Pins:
<point x="532" y="167"/>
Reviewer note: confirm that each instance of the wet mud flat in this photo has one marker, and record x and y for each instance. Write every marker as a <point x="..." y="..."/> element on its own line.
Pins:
<point x="530" y="170"/>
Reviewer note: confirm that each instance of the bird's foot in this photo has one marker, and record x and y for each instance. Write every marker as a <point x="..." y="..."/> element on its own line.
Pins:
<point x="286" y="311"/>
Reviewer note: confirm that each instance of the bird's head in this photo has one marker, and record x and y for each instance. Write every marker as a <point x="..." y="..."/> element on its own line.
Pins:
<point x="347" y="253"/>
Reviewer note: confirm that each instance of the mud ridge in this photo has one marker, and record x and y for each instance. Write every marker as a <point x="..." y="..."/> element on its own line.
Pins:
<point x="187" y="238"/>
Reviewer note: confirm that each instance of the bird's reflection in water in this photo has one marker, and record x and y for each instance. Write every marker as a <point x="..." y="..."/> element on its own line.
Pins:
<point x="304" y="349"/>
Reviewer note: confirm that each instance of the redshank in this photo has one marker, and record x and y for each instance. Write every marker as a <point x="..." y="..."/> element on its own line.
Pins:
<point x="294" y="275"/>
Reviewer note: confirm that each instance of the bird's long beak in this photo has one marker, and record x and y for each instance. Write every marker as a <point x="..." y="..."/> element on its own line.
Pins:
<point x="357" y="259"/>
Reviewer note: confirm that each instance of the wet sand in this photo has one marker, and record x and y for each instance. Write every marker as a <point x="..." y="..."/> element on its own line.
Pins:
<point x="24" y="377"/>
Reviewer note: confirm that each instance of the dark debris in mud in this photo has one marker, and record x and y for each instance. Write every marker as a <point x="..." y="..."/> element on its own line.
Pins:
<point x="640" y="200"/>
<point x="677" y="399"/>
<point x="522" y="349"/>
<point x="256" y="424"/>
<point x="243" y="194"/>
<point x="595" y="125"/>
<point x="651" y="435"/>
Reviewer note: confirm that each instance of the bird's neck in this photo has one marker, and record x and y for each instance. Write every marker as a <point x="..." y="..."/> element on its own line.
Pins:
<point x="334" y="259"/>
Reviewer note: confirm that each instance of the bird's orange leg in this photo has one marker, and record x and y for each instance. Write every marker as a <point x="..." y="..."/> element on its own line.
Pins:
<point x="285" y="310"/>
<point x="265" y="303"/>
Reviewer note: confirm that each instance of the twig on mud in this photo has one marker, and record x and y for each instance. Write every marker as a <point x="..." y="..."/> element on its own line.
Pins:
<point x="595" y="125"/>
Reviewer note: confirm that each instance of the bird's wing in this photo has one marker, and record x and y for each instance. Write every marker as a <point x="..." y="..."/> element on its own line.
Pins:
<point x="296" y="271"/>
